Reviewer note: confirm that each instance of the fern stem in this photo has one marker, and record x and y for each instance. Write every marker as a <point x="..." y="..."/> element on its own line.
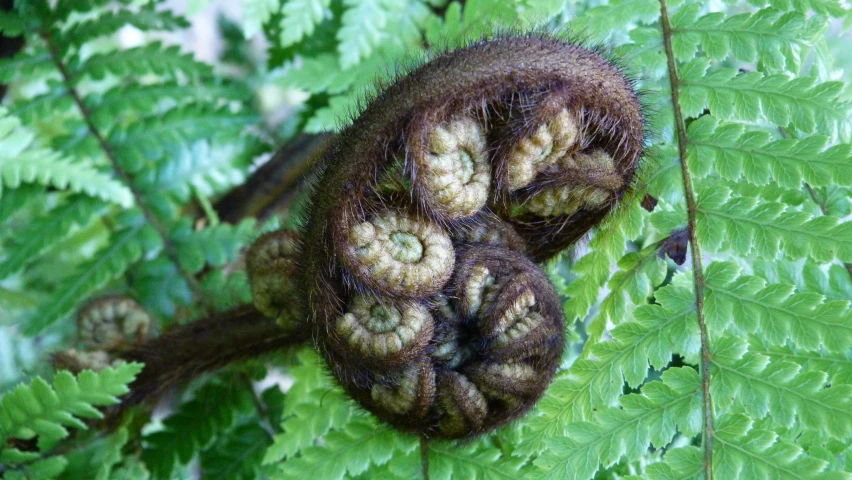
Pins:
<point x="424" y="456"/>
<point x="125" y="178"/>
<point x="202" y="346"/>
<point x="697" y="267"/>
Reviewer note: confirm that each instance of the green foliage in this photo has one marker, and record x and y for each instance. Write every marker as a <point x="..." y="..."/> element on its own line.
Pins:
<point x="112" y="158"/>
<point x="44" y="413"/>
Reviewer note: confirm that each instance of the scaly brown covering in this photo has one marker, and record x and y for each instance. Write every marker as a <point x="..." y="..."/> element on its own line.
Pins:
<point x="417" y="268"/>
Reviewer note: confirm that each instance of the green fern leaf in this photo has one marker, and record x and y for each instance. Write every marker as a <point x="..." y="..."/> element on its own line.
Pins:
<point x="837" y="365"/>
<point x="255" y="14"/>
<point x="775" y="311"/>
<point x="686" y="463"/>
<point x="594" y="268"/>
<point x="774" y="38"/>
<point x="54" y="102"/>
<point x="44" y="231"/>
<point x="652" y="417"/>
<point x="236" y="455"/>
<point x="740" y="451"/>
<point x="657" y="331"/>
<point x="747" y="225"/>
<point x="43" y="469"/>
<point x="303" y="423"/>
<point x="145" y="18"/>
<point x="21" y="161"/>
<point x="793" y="397"/>
<point x="126" y="246"/>
<point x="300" y="18"/>
<point x="194" y="427"/>
<point x="824" y="7"/>
<point x="799" y="102"/>
<point x="360" y="444"/>
<point x="214" y="245"/>
<point x="26" y="64"/>
<point x="149" y="138"/>
<point x="361" y="31"/>
<point x="735" y="152"/>
<point x="479" y="461"/>
<point x="152" y="58"/>
<point x="39" y="410"/>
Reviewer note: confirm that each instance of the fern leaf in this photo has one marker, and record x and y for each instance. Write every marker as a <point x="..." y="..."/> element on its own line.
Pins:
<point x="799" y="102"/>
<point x="652" y="417"/>
<point x="255" y="14"/>
<point x="775" y="311"/>
<point x="590" y="384"/>
<point x="214" y="245"/>
<point x="686" y="463"/>
<point x="740" y="451"/>
<point x="479" y="461"/>
<point x="823" y="7"/>
<point x="54" y="102"/>
<point x="193" y="427"/>
<point x="126" y="246"/>
<point x="600" y="22"/>
<point x="150" y="137"/>
<point x="23" y="162"/>
<point x="299" y="19"/>
<point x="735" y="152"/>
<point x="747" y="225"/>
<point x="117" y="102"/>
<point x="151" y="58"/>
<point x="236" y="455"/>
<point x="46" y="230"/>
<point x="594" y="267"/>
<point x="837" y="365"/>
<point x="639" y="273"/>
<point x="26" y="64"/>
<point x="360" y="444"/>
<point x="44" y="411"/>
<point x="793" y="397"/>
<point x="145" y="18"/>
<point x="361" y="31"/>
<point x="44" y="469"/>
<point x="776" y="39"/>
<point x="303" y="423"/>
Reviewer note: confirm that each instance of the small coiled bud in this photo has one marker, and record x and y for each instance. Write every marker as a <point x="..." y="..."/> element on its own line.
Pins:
<point x="272" y="265"/>
<point x="110" y="322"/>
<point x="384" y="332"/>
<point x="550" y="142"/>
<point x="400" y="254"/>
<point x="454" y="174"/>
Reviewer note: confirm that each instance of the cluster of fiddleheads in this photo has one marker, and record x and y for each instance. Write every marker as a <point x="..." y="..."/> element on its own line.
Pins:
<point x="416" y="268"/>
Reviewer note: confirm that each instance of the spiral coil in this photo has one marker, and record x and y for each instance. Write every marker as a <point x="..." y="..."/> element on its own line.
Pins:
<point x="417" y="267"/>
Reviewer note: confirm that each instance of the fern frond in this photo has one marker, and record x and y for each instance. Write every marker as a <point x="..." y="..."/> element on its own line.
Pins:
<point x="594" y="267"/>
<point x="26" y="64"/>
<point x="774" y="38"/>
<point x="149" y="138"/>
<point x="126" y="246"/>
<point x="361" y="31"/>
<point x="54" y="102"/>
<point x="44" y="411"/>
<point x="479" y="461"/>
<point x="837" y="365"/>
<point x="658" y="330"/>
<point x="44" y="231"/>
<point x="748" y="225"/>
<point x="735" y="152"/>
<point x="685" y="463"/>
<point x="236" y="456"/>
<point x="193" y="427"/>
<point x="151" y="58"/>
<point x="740" y="451"/>
<point x="214" y="245"/>
<point x="21" y="161"/>
<point x="652" y="417"/>
<point x="299" y="19"/>
<point x="793" y="397"/>
<point x="775" y="311"/>
<point x="361" y="443"/>
<point x="799" y="102"/>
<point x="108" y="23"/>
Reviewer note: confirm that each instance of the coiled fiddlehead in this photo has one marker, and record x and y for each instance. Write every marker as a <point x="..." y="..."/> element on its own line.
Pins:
<point x="417" y="268"/>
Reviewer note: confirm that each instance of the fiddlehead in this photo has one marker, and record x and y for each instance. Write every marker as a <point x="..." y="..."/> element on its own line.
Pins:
<point x="417" y="267"/>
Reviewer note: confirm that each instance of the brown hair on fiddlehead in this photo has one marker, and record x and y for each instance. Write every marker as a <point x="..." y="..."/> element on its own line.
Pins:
<point x="416" y="268"/>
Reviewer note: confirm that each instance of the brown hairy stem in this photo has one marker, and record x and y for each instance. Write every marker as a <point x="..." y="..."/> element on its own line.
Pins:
<point x="272" y="186"/>
<point x="188" y="351"/>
